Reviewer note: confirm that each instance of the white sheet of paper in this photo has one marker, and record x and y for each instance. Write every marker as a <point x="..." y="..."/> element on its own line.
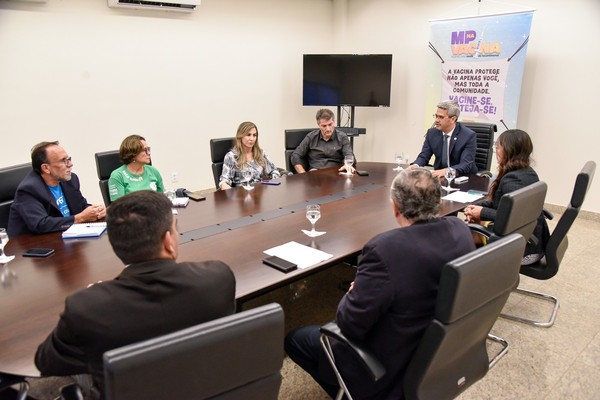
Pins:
<point x="463" y="197"/>
<point x="299" y="254"/>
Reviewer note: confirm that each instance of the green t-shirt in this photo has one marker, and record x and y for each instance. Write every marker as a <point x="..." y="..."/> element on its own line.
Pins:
<point x="123" y="181"/>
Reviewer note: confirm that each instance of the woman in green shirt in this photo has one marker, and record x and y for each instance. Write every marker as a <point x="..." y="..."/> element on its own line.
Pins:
<point x="136" y="173"/>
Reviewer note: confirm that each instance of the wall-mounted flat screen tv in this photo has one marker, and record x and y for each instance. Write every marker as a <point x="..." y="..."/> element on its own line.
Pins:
<point x="362" y="80"/>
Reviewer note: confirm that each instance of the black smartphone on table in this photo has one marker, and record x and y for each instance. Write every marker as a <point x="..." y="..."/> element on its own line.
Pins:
<point x="280" y="264"/>
<point x="38" y="252"/>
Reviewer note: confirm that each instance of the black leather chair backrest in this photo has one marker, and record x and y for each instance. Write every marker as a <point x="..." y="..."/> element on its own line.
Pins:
<point x="218" y="149"/>
<point x="473" y="290"/>
<point x="10" y="177"/>
<point x="518" y="211"/>
<point x="557" y="245"/>
<point x="293" y="137"/>
<point x="235" y="357"/>
<point x="485" y="143"/>
<point x="106" y="162"/>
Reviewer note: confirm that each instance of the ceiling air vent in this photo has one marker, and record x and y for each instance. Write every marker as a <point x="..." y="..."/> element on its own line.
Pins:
<point x="180" y="6"/>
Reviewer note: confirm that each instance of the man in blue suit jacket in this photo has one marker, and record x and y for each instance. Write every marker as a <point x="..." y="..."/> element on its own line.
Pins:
<point x="393" y="296"/>
<point x="48" y="198"/>
<point x="462" y="143"/>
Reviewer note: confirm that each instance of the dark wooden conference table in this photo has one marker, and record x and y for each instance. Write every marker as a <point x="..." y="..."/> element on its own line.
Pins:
<point x="234" y="226"/>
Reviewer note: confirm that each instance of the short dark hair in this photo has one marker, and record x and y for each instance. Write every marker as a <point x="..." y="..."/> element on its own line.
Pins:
<point x="325" y="113"/>
<point x="39" y="155"/>
<point x="131" y="146"/>
<point x="416" y="193"/>
<point x="136" y="224"/>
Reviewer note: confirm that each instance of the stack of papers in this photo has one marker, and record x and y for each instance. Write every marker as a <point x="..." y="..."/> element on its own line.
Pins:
<point x="93" y="229"/>
<point x="464" y="197"/>
<point x="299" y="254"/>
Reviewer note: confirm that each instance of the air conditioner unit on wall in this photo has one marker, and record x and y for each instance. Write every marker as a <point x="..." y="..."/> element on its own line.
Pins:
<point x="165" y="5"/>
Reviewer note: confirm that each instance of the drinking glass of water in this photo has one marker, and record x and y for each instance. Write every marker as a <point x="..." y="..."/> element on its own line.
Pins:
<point x="247" y="175"/>
<point x="450" y="175"/>
<point x="313" y="213"/>
<point x="348" y="161"/>
<point x="3" y="241"/>
<point x="399" y="160"/>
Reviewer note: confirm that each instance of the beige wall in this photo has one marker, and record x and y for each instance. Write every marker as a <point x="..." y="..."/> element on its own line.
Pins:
<point x="77" y="71"/>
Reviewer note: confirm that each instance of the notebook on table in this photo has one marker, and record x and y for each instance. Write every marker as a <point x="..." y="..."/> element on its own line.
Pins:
<point x="92" y="229"/>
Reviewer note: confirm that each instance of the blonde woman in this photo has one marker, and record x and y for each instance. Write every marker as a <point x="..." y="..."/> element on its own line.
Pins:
<point x="246" y="154"/>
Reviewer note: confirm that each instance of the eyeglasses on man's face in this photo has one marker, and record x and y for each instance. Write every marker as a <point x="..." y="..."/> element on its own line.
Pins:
<point x="66" y="161"/>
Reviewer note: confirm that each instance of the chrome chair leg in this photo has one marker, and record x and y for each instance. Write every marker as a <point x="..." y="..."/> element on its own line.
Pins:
<point x="23" y="390"/>
<point x="329" y="352"/>
<point x="541" y="296"/>
<point x="501" y="353"/>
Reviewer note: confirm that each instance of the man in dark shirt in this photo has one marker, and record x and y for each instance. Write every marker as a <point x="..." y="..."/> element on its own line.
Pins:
<point x="323" y="147"/>
<point x="154" y="295"/>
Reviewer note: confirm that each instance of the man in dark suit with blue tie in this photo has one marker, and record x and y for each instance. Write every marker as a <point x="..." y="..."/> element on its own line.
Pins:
<point x="452" y="143"/>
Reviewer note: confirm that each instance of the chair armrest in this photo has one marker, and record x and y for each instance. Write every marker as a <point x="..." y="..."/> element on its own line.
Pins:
<point x="375" y="369"/>
<point x="547" y="214"/>
<point x="481" y="230"/>
<point x="484" y="174"/>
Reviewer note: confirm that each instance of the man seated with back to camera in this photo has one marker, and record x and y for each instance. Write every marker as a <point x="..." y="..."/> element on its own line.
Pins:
<point x="324" y="147"/>
<point x="393" y="296"/>
<point x="152" y="296"/>
<point x="48" y="199"/>
<point x="462" y="143"/>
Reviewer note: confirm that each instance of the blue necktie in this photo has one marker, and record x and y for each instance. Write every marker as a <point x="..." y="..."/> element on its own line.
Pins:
<point x="445" y="152"/>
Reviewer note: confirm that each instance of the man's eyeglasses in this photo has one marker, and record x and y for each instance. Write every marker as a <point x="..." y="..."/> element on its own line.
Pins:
<point x="441" y="116"/>
<point x="146" y="150"/>
<point x="66" y="161"/>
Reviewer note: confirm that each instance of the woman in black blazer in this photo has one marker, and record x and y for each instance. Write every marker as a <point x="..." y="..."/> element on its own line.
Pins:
<point x="513" y="151"/>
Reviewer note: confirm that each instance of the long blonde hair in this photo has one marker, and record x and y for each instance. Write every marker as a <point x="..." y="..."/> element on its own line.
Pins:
<point x="257" y="153"/>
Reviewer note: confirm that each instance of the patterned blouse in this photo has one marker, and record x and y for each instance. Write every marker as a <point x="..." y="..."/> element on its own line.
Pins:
<point x="233" y="176"/>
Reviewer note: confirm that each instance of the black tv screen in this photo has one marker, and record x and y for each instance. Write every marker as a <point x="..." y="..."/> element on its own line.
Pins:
<point x="362" y="80"/>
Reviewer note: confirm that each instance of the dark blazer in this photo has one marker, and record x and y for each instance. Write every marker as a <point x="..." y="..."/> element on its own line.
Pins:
<point x="510" y="182"/>
<point x="146" y="300"/>
<point x="34" y="209"/>
<point x="463" y="144"/>
<point x="394" y="297"/>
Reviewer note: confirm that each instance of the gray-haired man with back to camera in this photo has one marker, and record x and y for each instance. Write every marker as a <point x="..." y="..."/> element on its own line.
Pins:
<point x="393" y="296"/>
<point x="152" y="296"/>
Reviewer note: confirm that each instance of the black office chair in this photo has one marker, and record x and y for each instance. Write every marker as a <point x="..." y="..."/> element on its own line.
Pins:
<point x="556" y="247"/>
<point x="106" y="163"/>
<point x="10" y="178"/>
<point x="452" y="355"/>
<point x="485" y="145"/>
<point x="293" y="137"/>
<point x="218" y="149"/>
<point x="235" y="357"/>
<point x="518" y="212"/>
